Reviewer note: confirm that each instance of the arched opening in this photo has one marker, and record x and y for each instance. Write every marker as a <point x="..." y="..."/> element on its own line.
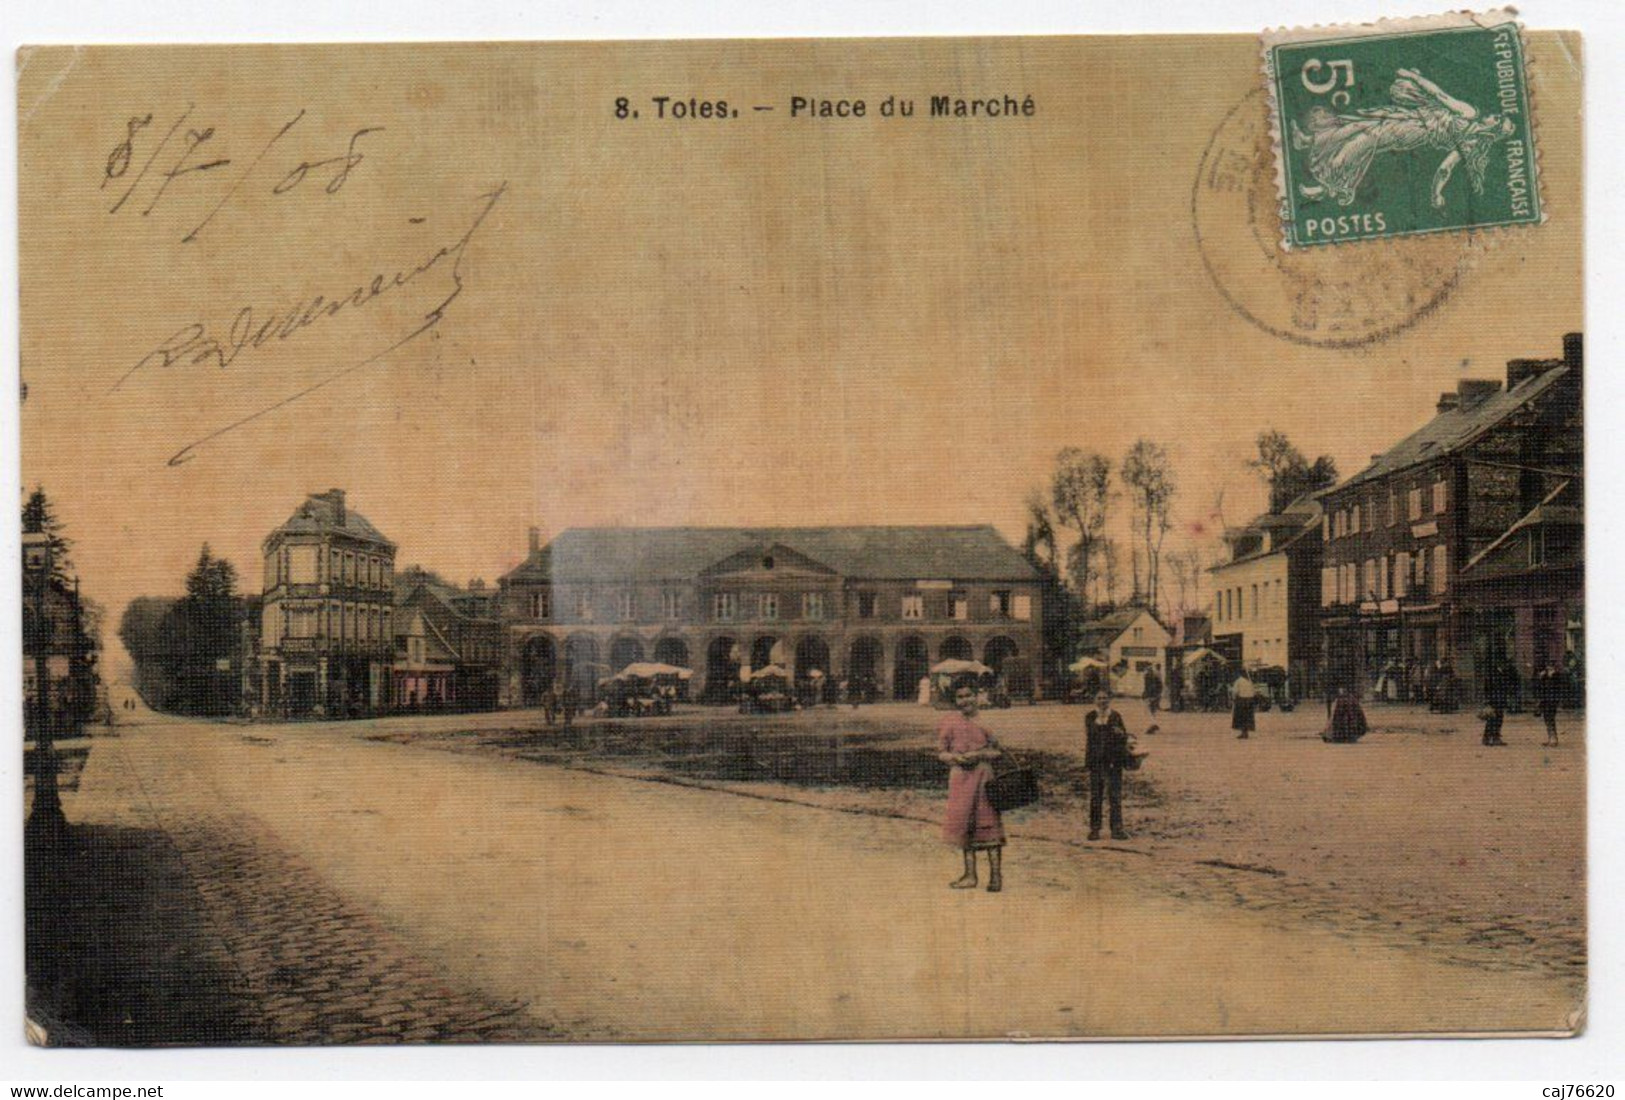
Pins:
<point x="997" y="652"/>
<point x="721" y="670"/>
<point x="623" y="652"/>
<point x="863" y="668"/>
<point x="581" y="665"/>
<point x="913" y="662"/>
<point x="672" y="651"/>
<point x="761" y="651"/>
<point x="538" y="668"/>
<point x="955" y="648"/>
<point x="811" y="653"/>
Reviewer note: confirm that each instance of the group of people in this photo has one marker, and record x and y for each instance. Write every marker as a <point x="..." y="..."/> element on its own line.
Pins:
<point x="1501" y="692"/>
<point x="972" y="823"/>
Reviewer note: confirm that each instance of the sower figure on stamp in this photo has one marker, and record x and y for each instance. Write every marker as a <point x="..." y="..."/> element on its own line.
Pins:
<point x="1106" y="754"/>
<point x="971" y="823"/>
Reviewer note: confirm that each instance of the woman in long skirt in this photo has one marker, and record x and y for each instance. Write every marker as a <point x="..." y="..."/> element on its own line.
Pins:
<point x="1243" y="698"/>
<point x="971" y="823"/>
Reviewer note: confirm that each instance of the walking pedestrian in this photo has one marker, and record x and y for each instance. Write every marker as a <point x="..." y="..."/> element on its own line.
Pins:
<point x="1243" y="698"/>
<point x="1549" y="686"/>
<point x="971" y="824"/>
<point x="1105" y="755"/>
<point x="1153" y="691"/>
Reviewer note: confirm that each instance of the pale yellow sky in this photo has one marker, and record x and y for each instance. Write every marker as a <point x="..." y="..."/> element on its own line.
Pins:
<point x="763" y="320"/>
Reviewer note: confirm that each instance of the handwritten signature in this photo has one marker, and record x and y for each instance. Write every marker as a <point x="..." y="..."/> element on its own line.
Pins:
<point x="190" y="157"/>
<point x="197" y="344"/>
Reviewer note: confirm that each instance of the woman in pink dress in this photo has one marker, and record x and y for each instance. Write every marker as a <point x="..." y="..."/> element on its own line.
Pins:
<point x="972" y="824"/>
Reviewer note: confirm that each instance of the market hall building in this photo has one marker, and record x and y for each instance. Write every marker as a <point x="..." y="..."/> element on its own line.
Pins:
<point x="874" y="606"/>
<point x="1464" y="541"/>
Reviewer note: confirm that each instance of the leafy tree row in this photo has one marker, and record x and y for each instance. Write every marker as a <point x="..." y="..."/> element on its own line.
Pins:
<point x="188" y="651"/>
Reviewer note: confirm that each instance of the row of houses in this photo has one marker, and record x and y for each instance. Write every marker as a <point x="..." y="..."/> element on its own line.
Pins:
<point x="340" y="632"/>
<point x="1461" y="546"/>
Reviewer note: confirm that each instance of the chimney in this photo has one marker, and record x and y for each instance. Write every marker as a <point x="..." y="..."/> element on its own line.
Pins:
<point x="1574" y="350"/>
<point x="1519" y="369"/>
<point x="535" y="540"/>
<point x="1448" y="402"/>
<point x="335" y="499"/>
<point x="1474" y="391"/>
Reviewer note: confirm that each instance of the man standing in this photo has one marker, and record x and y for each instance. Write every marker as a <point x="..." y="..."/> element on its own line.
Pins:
<point x="1549" y="685"/>
<point x="1153" y="691"/>
<point x="1105" y="755"/>
<point x="1500" y="687"/>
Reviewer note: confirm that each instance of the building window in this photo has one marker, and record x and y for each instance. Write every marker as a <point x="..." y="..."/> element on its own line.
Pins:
<point x="1438" y="498"/>
<point x="1328" y="587"/>
<point x="1537" y="546"/>
<point x="541" y="604"/>
<point x="584" y="606"/>
<point x="724" y="605"/>
<point x="999" y="605"/>
<point x="1354" y="520"/>
<point x="671" y="603"/>
<point x="812" y="605"/>
<point x="770" y="606"/>
<point x="1382" y="577"/>
<point x="914" y="607"/>
<point x="1021" y="608"/>
<point x="1441" y="569"/>
<point x="1393" y="509"/>
<point x="866" y="605"/>
<point x="1326" y="528"/>
<point x="1413" y="510"/>
<point x="624" y="604"/>
<point x="958" y="606"/>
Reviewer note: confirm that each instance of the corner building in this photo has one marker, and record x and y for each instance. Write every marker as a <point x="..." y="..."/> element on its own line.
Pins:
<point x="876" y="606"/>
<point x="326" y="637"/>
<point x="1418" y="546"/>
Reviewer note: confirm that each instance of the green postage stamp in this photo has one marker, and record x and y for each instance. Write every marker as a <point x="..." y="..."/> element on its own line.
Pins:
<point x="1402" y="127"/>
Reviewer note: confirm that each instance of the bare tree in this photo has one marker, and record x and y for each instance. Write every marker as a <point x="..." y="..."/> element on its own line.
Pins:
<point x="1150" y="478"/>
<point x="1111" y="565"/>
<point x="1080" y="494"/>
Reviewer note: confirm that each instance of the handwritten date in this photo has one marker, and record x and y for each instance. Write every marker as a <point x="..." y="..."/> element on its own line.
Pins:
<point x="186" y="151"/>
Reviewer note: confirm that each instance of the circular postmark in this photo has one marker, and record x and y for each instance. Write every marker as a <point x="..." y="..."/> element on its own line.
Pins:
<point x="1328" y="296"/>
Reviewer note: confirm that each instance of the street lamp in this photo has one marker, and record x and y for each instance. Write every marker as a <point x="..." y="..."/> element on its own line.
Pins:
<point x="46" y="820"/>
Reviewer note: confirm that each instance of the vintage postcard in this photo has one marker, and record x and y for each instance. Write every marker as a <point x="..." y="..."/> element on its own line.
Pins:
<point x="908" y="539"/>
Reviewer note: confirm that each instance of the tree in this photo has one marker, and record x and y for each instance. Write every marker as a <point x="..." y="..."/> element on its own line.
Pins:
<point x="1039" y="545"/>
<point x="39" y="517"/>
<point x="1060" y="611"/>
<point x="204" y="629"/>
<point x="1150" y="478"/>
<point x="1080" y="493"/>
<point x="1284" y="469"/>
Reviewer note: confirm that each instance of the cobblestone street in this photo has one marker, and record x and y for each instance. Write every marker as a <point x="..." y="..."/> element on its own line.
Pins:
<point x="311" y="884"/>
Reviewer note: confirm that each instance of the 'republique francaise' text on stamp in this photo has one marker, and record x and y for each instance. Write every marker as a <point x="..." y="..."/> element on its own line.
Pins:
<point x="1402" y="127"/>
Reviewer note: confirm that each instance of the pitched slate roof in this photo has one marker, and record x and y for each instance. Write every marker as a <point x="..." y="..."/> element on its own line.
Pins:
<point x="319" y="515"/>
<point x="867" y="553"/>
<point x="1099" y="633"/>
<point x="1453" y="429"/>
